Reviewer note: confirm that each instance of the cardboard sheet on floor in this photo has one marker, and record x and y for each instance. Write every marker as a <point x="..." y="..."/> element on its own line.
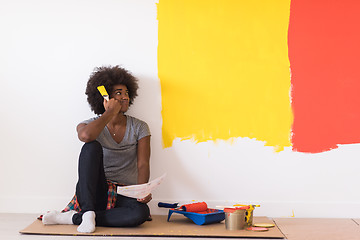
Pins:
<point x="318" y="228"/>
<point x="179" y="226"/>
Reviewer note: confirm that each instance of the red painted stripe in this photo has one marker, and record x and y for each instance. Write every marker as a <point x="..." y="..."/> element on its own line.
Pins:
<point x="324" y="52"/>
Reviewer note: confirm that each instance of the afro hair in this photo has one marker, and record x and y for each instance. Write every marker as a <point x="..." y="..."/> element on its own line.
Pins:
<point x="109" y="77"/>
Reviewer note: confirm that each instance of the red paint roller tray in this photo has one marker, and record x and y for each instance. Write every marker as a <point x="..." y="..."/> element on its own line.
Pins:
<point x="199" y="213"/>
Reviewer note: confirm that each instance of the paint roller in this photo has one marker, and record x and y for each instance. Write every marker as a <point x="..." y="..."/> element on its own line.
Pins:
<point x="192" y="207"/>
<point x="195" y="207"/>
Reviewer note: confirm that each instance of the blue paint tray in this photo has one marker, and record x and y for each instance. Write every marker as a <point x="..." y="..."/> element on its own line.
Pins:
<point x="212" y="216"/>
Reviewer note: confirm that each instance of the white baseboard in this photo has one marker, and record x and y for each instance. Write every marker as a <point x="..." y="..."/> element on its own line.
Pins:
<point x="26" y="204"/>
<point x="283" y="209"/>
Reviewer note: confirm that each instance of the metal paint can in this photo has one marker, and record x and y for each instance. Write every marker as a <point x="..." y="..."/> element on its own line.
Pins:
<point x="235" y="218"/>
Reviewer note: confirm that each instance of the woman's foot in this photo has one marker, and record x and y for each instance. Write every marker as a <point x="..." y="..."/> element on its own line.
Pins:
<point x="88" y="222"/>
<point x="56" y="217"/>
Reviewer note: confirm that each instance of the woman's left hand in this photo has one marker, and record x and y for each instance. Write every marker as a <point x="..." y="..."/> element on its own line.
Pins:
<point x="145" y="199"/>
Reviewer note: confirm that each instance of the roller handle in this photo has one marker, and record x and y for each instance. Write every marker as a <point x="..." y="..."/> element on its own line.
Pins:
<point x="168" y="205"/>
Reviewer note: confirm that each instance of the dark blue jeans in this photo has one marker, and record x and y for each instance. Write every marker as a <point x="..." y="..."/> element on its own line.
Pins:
<point x="91" y="192"/>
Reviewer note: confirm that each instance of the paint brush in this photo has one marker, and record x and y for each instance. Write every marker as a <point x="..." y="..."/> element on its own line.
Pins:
<point x="103" y="92"/>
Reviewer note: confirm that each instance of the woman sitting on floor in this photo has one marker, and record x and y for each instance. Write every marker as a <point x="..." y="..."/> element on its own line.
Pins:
<point x="116" y="152"/>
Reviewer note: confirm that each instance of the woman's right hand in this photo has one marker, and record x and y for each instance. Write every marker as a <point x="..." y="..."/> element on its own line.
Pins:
<point x="89" y="132"/>
<point x="113" y="106"/>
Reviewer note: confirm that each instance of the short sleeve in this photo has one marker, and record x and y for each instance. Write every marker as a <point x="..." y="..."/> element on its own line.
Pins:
<point x="143" y="130"/>
<point x="89" y="120"/>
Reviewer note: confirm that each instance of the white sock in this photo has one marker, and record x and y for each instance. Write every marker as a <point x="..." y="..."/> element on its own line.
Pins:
<point x="56" y="217"/>
<point x="88" y="222"/>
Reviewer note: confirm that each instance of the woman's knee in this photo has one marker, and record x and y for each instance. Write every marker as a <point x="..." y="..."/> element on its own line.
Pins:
<point x="93" y="146"/>
<point x="91" y="150"/>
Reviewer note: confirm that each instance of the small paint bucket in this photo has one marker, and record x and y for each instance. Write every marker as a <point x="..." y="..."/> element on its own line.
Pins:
<point x="249" y="217"/>
<point x="235" y="218"/>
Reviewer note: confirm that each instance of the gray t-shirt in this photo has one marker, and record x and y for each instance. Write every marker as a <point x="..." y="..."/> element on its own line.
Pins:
<point x="120" y="159"/>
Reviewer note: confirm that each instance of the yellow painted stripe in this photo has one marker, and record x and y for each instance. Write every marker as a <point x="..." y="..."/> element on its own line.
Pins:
<point x="224" y="70"/>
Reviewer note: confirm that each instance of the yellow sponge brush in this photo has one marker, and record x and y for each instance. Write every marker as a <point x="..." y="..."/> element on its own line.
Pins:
<point x="103" y="92"/>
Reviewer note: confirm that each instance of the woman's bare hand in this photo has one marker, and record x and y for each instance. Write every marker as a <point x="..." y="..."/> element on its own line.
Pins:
<point x="145" y="199"/>
<point x="112" y="105"/>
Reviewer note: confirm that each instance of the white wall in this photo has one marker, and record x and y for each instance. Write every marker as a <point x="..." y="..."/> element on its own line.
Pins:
<point x="47" y="52"/>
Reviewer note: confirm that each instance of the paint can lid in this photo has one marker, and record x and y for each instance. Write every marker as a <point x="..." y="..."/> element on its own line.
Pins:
<point x="265" y="225"/>
<point x="257" y="229"/>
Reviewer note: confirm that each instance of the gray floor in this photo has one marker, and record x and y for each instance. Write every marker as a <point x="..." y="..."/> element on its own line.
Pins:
<point x="11" y="224"/>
